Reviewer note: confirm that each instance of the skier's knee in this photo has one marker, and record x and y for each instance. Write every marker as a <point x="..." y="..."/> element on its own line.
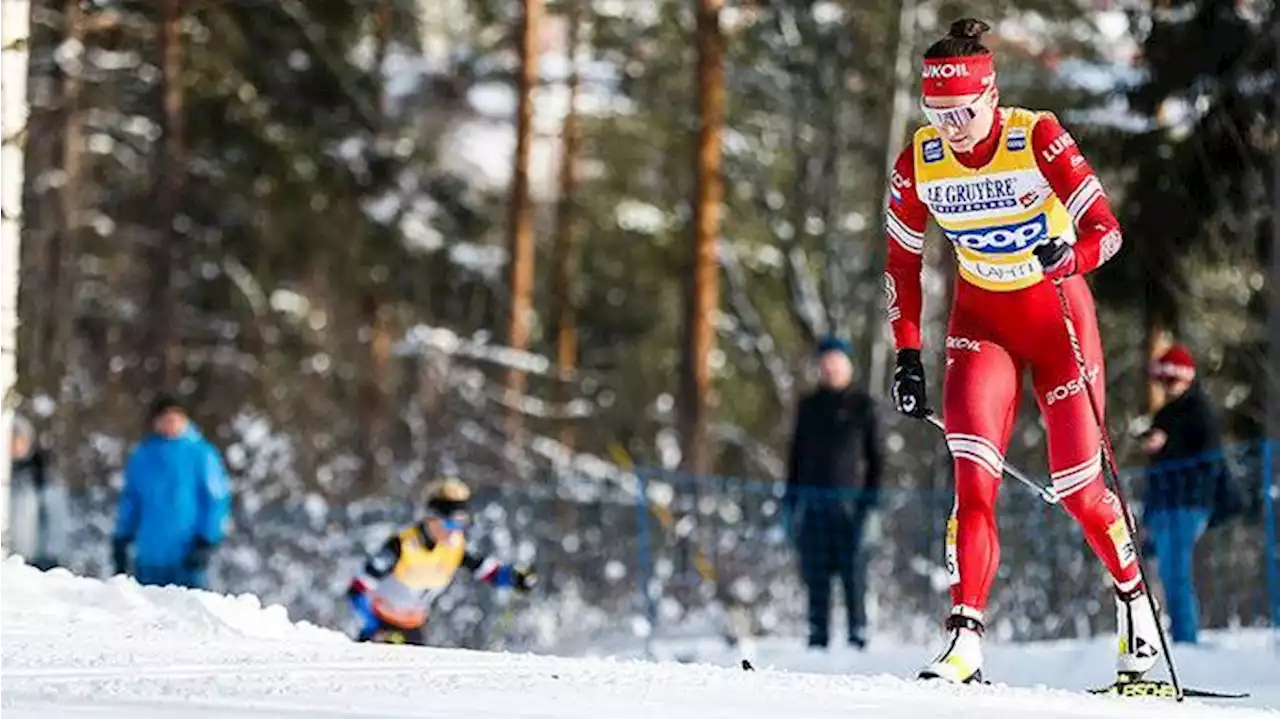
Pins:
<point x="975" y="495"/>
<point x="1085" y="500"/>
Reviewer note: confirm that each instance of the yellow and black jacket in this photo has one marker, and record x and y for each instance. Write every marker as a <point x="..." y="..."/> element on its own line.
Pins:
<point x="404" y="577"/>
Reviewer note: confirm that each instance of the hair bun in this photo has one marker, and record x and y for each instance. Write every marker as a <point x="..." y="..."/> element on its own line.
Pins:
<point x="968" y="28"/>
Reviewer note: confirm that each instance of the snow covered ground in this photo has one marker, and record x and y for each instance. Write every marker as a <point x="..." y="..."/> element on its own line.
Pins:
<point x="77" y="647"/>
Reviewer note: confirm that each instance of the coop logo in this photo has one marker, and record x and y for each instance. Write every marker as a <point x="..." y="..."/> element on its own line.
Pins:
<point x="1001" y="240"/>
<point x="954" y="198"/>
<point x="945" y="71"/>
<point x="1057" y="147"/>
<point x="1071" y="387"/>
<point x="963" y="344"/>
<point x="931" y="150"/>
<point x="1017" y="140"/>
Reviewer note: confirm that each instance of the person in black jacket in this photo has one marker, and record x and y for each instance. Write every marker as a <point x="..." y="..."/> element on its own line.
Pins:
<point x="833" y="482"/>
<point x="1183" y="480"/>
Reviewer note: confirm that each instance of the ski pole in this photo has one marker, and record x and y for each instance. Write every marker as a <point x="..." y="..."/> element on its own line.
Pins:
<point x="1112" y="474"/>
<point x="1046" y="493"/>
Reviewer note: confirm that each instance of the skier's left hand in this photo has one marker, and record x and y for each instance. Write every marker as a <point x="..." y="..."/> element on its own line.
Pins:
<point x="198" y="556"/>
<point x="1057" y="258"/>
<point x="120" y="556"/>
<point x="1154" y="441"/>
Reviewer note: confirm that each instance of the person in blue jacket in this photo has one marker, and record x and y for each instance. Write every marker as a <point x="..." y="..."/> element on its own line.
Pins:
<point x="174" y="504"/>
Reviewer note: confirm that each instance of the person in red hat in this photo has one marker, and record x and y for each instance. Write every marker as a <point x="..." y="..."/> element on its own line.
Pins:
<point x="1183" y="483"/>
<point x="1024" y="211"/>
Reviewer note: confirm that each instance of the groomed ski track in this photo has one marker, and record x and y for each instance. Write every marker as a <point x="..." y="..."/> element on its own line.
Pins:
<point x="75" y="647"/>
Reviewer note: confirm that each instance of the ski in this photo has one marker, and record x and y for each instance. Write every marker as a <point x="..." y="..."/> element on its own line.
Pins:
<point x="1158" y="688"/>
<point x="1122" y="688"/>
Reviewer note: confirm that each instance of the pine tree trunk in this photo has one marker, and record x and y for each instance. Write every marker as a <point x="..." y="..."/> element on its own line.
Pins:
<point x="382" y="30"/>
<point x="162" y="346"/>
<point x="376" y="317"/>
<point x="40" y="210"/>
<point x="64" y="252"/>
<point x="520" y="220"/>
<point x="564" y="263"/>
<point x="704" y="279"/>
<point x="879" y="350"/>
<point x="1155" y="321"/>
<point x="62" y="264"/>
<point x="374" y="312"/>
<point x="1154" y="342"/>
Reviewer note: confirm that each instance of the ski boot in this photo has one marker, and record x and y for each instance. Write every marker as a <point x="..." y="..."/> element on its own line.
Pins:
<point x="961" y="661"/>
<point x="1138" y="635"/>
<point x="1138" y="632"/>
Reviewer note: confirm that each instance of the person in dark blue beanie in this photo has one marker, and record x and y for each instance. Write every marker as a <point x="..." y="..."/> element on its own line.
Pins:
<point x="832" y="343"/>
<point x="833" y="481"/>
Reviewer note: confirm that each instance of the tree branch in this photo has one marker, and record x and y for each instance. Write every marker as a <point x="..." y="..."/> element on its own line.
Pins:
<point x="768" y="460"/>
<point x="762" y="342"/>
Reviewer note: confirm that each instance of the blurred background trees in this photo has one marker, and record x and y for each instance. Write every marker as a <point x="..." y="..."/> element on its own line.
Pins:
<point x="263" y="204"/>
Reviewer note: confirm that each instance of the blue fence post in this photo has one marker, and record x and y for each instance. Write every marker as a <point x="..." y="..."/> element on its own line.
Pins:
<point x="1269" y="491"/>
<point x="644" y="563"/>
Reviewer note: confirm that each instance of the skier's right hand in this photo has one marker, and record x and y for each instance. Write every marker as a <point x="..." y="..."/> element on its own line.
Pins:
<point x="357" y="588"/>
<point x="908" y="385"/>
<point x="525" y="580"/>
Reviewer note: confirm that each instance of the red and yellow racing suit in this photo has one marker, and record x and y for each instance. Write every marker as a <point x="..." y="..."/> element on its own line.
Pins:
<point x="1027" y="182"/>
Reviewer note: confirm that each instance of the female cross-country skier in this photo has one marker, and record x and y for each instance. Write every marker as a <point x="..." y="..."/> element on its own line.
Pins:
<point x="400" y="582"/>
<point x="1022" y="207"/>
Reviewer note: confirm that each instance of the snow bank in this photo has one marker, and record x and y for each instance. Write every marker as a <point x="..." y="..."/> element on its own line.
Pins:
<point x="60" y="599"/>
<point x="75" y="646"/>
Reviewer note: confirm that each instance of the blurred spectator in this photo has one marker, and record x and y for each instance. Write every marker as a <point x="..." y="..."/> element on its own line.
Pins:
<point x="174" y="504"/>
<point x="37" y="501"/>
<point x="1184" y="479"/>
<point x="833" y="483"/>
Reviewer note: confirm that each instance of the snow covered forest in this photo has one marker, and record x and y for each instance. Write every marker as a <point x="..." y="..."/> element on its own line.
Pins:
<point x="578" y="252"/>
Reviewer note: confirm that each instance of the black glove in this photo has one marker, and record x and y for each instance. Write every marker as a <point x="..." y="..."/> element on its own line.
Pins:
<point x="357" y="588"/>
<point x="525" y="580"/>
<point x="908" y="385"/>
<point x="198" y="556"/>
<point x="1057" y="258"/>
<point x="120" y="555"/>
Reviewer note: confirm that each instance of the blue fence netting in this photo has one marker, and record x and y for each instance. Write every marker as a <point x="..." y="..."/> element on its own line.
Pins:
<point x="630" y="557"/>
<point x="718" y="543"/>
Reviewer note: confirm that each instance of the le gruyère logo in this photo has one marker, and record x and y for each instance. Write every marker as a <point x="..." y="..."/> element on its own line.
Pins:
<point x="972" y="196"/>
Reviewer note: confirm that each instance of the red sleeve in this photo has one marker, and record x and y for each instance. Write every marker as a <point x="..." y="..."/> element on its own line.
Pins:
<point x="904" y="224"/>
<point x="1098" y="236"/>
